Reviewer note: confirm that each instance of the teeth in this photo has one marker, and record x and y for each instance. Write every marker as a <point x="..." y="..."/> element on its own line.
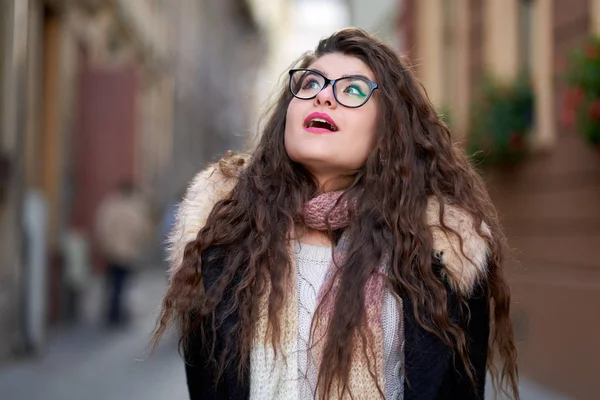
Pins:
<point x="322" y="121"/>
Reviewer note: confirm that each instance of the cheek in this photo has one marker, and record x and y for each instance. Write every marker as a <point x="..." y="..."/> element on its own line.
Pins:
<point x="294" y="111"/>
<point x="371" y="130"/>
<point x="366" y="131"/>
<point x="290" y="121"/>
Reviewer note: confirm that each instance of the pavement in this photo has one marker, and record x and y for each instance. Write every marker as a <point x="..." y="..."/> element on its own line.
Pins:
<point x="89" y="362"/>
<point x="528" y="390"/>
<point x="92" y="363"/>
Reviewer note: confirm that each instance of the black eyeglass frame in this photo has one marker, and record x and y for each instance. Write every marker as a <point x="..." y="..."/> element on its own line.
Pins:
<point x="332" y="82"/>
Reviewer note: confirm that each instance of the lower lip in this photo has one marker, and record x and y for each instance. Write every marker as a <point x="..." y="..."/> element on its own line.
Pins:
<point x="318" y="130"/>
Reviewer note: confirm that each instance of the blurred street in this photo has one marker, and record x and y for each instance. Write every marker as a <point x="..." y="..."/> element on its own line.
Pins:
<point x="86" y="362"/>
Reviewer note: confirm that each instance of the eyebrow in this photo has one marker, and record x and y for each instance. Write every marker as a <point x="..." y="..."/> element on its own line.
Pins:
<point x="345" y="75"/>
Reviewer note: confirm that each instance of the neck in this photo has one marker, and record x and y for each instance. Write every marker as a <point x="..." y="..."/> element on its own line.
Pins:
<point x="333" y="183"/>
<point x="313" y="237"/>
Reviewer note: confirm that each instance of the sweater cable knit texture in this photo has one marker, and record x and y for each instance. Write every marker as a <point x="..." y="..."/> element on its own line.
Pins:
<point x="312" y="263"/>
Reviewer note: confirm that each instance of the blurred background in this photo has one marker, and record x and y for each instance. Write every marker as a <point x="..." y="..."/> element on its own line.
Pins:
<point x="103" y="102"/>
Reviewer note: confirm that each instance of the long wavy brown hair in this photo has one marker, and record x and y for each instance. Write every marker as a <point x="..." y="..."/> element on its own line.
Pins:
<point x="413" y="158"/>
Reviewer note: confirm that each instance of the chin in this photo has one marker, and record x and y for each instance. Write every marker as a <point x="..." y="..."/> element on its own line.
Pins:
<point x="308" y="157"/>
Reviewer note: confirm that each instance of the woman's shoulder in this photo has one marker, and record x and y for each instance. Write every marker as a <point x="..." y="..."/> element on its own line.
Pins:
<point x="204" y="191"/>
<point x="464" y="255"/>
<point x="462" y="269"/>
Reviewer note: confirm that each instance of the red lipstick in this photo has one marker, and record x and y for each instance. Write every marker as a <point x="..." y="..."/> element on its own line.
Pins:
<point x="320" y="123"/>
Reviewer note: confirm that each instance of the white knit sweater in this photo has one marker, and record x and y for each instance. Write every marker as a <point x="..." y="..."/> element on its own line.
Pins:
<point x="312" y="263"/>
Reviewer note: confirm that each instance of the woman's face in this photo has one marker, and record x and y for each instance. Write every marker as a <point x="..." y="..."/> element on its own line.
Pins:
<point x="328" y="153"/>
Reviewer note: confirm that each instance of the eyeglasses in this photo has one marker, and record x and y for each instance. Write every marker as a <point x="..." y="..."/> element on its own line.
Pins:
<point x="349" y="91"/>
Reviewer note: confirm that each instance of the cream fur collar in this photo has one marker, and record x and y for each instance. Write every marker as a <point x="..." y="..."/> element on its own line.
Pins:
<point x="214" y="183"/>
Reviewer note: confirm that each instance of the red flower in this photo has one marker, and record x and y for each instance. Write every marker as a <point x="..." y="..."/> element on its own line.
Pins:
<point x="574" y="96"/>
<point x="516" y="141"/>
<point x="592" y="51"/>
<point x="594" y="110"/>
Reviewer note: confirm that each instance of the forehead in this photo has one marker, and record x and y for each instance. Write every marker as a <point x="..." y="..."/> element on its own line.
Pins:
<point x="336" y="65"/>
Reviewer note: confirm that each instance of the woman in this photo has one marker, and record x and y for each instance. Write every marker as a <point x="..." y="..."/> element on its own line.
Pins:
<point x="355" y="254"/>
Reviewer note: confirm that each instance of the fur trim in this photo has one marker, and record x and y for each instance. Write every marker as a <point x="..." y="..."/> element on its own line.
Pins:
<point x="463" y="271"/>
<point x="205" y="190"/>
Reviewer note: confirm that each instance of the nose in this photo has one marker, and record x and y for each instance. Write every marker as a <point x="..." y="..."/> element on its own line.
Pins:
<point x="326" y="98"/>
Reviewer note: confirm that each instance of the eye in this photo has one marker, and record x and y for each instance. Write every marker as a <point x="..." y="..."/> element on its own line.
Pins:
<point x="310" y="83"/>
<point x="355" y="89"/>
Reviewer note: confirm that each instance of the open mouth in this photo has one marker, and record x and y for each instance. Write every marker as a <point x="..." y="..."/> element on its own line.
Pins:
<point x="319" y="123"/>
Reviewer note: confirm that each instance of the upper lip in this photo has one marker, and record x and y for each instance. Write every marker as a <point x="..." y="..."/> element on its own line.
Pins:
<point x="317" y="115"/>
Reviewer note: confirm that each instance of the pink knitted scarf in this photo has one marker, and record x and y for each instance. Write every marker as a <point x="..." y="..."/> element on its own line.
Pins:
<point x="327" y="208"/>
<point x="330" y="210"/>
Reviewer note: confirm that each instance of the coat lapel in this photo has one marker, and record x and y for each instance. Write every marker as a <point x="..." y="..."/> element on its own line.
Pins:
<point x="426" y="359"/>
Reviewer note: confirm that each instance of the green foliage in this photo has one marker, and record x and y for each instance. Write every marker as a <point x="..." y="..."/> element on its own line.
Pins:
<point x="501" y="119"/>
<point x="581" y="104"/>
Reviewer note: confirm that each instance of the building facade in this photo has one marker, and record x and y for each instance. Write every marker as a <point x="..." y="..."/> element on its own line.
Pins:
<point x="94" y="92"/>
<point x="548" y="202"/>
<point x="87" y="100"/>
<point x="218" y="48"/>
<point x="379" y="17"/>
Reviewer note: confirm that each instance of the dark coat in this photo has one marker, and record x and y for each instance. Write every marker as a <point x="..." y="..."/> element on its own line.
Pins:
<point x="431" y="370"/>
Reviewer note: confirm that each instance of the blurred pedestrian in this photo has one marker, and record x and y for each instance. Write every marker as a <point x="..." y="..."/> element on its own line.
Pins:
<point x="355" y="254"/>
<point x="122" y="229"/>
<point x="77" y="271"/>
